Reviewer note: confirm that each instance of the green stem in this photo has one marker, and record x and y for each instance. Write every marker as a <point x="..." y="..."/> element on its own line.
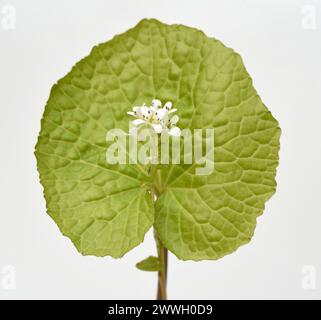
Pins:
<point x="162" y="274"/>
<point x="161" y="250"/>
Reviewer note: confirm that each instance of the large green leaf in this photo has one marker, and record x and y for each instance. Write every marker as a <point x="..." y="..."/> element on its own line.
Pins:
<point x="106" y="209"/>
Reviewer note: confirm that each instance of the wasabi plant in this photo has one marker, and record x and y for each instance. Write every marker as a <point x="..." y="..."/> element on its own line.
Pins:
<point x="218" y="144"/>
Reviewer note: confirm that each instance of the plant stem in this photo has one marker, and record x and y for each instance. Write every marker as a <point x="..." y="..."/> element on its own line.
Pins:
<point x="162" y="274"/>
<point x="161" y="250"/>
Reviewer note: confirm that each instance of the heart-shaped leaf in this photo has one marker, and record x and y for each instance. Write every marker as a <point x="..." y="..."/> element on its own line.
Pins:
<point x="107" y="209"/>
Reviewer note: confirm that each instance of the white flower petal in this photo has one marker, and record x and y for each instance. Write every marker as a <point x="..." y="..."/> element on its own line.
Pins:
<point x="174" y="119"/>
<point x="172" y="110"/>
<point x="157" y="127"/>
<point x="165" y="122"/>
<point x="146" y="112"/>
<point x="137" y="122"/>
<point x="131" y="113"/>
<point x="175" y="131"/>
<point x="144" y="109"/>
<point x="160" y="114"/>
<point x="137" y="111"/>
<point x="156" y="103"/>
<point x="168" y="105"/>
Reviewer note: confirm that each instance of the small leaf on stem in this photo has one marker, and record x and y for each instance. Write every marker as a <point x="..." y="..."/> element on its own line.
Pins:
<point x="149" y="264"/>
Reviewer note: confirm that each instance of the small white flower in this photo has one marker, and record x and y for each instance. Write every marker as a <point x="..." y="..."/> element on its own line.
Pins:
<point x="160" y="115"/>
<point x="168" y="107"/>
<point x="156" y="104"/>
<point x="136" y="112"/>
<point x="146" y="113"/>
<point x="174" y="119"/>
<point x="157" y="117"/>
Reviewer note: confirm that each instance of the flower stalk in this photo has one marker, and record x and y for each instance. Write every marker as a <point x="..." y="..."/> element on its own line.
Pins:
<point x="162" y="274"/>
<point x="162" y="121"/>
<point x="162" y="252"/>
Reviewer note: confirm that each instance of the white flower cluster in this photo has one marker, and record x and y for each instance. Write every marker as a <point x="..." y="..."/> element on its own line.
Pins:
<point x="159" y="117"/>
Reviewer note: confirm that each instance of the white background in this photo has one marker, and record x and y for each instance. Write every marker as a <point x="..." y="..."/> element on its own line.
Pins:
<point x="280" y="42"/>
